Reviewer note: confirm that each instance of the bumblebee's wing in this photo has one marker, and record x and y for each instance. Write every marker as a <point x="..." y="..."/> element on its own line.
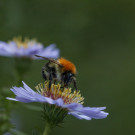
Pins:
<point x="51" y="60"/>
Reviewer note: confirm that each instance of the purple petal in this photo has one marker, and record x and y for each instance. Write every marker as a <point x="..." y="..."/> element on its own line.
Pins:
<point x="79" y="116"/>
<point x="13" y="99"/>
<point x="12" y="50"/>
<point x="27" y="95"/>
<point x="80" y="112"/>
<point x="50" y="52"/>
<point x="27" y="88"/>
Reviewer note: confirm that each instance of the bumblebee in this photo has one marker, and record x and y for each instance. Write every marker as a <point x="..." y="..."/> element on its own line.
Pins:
<point x="59" y="70"/>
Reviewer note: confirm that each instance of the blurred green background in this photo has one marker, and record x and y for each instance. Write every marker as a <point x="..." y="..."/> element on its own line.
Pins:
<point x="99" y="37"/>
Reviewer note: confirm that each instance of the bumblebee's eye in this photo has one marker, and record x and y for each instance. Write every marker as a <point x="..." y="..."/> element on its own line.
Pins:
<point x="70" y="75"/>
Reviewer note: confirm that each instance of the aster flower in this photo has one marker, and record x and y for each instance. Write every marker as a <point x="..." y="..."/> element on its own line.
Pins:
<point x="63" y="98"/>
<point x="58" y="103"/>
<point x="27" y="48"/>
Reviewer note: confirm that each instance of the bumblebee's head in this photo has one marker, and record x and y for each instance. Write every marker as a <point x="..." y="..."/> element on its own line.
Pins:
<point x="68" y="70"/>
<point x="67" y="66"/>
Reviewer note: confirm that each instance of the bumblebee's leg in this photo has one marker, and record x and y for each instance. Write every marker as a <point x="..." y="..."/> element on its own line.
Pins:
<point x="67" y="79"/>
<point x="54" y="81"/>
<point x="43" y="74"/>
<point x="62" y="80"/>
<point x="74" y="82"/>
<point x="50" y="80"/>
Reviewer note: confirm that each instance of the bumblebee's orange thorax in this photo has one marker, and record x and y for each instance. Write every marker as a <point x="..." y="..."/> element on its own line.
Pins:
<point x="67" y="65"/>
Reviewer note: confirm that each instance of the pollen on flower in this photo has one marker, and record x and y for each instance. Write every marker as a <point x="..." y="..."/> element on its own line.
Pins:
<point x="57" y="92"/>
<point x="23" y="43"/>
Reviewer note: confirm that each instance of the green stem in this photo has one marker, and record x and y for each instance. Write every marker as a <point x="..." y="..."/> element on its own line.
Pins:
<point x="47" y="130"/>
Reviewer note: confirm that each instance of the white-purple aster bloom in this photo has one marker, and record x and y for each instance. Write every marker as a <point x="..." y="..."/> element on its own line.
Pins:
<point x="27" y="48"/>
<point x="26" y="94"/>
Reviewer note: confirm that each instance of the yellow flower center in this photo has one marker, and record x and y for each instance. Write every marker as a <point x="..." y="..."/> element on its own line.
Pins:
<point x="24" y="43"/>
<point x="56" y="92"/>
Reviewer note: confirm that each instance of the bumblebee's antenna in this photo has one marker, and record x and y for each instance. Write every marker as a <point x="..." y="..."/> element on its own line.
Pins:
<point x="51" y="60"/>
<point x="43" y="57"/>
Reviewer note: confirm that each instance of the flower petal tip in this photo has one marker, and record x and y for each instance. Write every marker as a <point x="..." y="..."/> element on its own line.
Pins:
<point x="13" y="99"/>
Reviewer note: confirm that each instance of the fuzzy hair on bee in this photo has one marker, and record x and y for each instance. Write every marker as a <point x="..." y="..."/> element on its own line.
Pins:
<point x="61" y="70"/>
